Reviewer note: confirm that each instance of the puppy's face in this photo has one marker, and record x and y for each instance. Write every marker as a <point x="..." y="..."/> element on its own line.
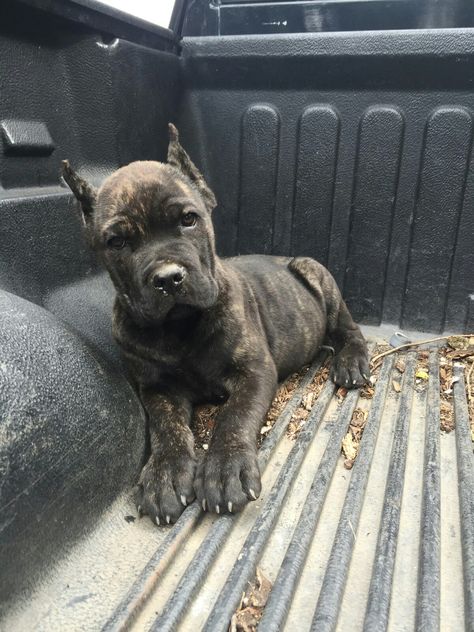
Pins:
<point x="150" y="223"/>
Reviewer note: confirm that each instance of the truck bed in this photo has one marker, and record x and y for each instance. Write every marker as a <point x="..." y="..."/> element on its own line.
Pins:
<point x="369" y="547"/>
<point x="352" y="147"/>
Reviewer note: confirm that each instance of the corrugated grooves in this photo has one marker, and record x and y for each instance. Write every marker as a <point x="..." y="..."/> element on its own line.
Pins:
<point x="125" y="613"/>
<point x="426" y="593"/>
<point x="379" y="197"/>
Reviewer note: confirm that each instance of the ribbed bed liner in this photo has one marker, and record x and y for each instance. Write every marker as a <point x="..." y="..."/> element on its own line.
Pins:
<point x="388" y="544"/>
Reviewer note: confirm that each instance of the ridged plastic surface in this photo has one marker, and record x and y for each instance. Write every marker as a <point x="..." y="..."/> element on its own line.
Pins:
<point x="355" y="149"/>
<point x="386" y="545"/>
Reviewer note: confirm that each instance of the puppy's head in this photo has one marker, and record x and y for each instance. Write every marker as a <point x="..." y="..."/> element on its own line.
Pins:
<point x="150" y="223"/>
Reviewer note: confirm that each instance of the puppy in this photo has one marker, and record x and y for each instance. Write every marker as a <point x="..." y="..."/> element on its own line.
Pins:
<point x="196" y="328"/>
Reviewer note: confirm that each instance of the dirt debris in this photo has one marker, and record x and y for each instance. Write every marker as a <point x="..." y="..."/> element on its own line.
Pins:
<point x="341" y="393"/>
<point x="397" y="387"/>
<point x="284" y="394"/>
<point x="351" y="442"/>
<point x="203" y="425"/>
<point x="460" y="349"/>
<point x="204" y="416"/>
<point x="447" y="423"/>
<point x="469" y="377"/>
<point x="400" y="365"/>
<point x="251" y="607"/>
<point x="422" y="371"/>
<point x="300" y="415"/>
<point x="367" y="392"/>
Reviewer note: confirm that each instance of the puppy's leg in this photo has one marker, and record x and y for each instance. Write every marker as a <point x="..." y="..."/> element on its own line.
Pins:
<point x="351" y="364"/>
<point x="229" y="476"/>
<point x="166" y="482"/>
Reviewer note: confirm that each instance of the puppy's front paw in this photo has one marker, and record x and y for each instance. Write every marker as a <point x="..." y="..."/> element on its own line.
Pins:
<point x="350" y="367"/>
<point x="166" y="486"/>
<point x="227" y="479"/>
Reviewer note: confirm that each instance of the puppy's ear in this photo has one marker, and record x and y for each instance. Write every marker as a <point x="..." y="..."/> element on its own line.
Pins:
<point x="177" y="157"/>
<point x="83" y="191"/>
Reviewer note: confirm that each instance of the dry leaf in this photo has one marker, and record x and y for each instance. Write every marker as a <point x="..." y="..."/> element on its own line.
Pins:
<point x="248" y="615"/>
<point x="349" y="448"/>
<point x="308" y="400"/>
<point x="341" y="392"/>
<point x="396" y="386"/>
<point x="400" y="365"/>
<point x="458" y="342"/>
<point x="422" y="375"/>
<point x="446" y="416"/>
<point x="459" y="354"/>
<point x="367" y="392"/>
<point x="300" y="415"/>
<point x="359" y="417"/>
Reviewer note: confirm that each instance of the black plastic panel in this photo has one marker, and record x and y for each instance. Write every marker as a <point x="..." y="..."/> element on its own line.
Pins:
<point x="348" y="148"/>
<point x="259" y="160"/>
<point x="105" y="102"/>
<point x="318" y="141"/>
<point x="377" y="166"/>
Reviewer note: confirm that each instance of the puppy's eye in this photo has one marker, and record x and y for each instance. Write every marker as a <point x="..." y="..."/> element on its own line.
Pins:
<point x="189" y="219"/>
<point x="116" y="242"/>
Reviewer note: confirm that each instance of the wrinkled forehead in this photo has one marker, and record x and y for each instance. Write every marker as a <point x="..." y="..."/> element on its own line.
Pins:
<point x="143" y="192"/>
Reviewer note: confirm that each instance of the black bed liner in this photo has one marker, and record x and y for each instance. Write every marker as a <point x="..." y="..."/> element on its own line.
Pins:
<point x="351" y="147"/>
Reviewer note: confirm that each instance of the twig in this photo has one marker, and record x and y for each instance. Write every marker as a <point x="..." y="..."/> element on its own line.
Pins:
<point x="415" y="344"/>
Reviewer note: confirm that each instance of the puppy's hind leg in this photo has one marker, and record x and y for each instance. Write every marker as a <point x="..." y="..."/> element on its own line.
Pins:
<point x="351" y="364"/>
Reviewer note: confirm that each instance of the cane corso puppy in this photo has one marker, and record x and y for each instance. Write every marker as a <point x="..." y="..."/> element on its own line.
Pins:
<point x="196" y="328"/>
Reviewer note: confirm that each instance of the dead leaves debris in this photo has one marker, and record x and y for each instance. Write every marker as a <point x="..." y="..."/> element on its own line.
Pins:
<point x="251" y="607"/>
<point x="300" y="415"/>
<point x="460" y="349"/>
<point x="367" y="392"/>
<point x="203" y="425"/>
<point x="422" y="371"/>
<point x="204" y="416"/>
<point x="446" y="391"/>
<point x="351" y="442"/>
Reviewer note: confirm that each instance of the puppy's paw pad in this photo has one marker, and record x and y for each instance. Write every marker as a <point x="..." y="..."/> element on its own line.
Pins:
<point x="350" y="369"/>
<point x="165" y="488"/>
<point x="226" y="481"/>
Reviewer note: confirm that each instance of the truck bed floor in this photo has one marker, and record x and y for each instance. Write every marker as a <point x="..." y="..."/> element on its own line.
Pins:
<point x="388" y="544"/>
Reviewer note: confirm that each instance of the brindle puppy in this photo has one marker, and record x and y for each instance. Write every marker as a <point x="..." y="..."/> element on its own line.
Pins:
<point x="196" y="328"/>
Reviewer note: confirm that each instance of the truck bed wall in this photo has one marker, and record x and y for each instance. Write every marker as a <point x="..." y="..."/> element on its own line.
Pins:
<point x="353" y="148"/>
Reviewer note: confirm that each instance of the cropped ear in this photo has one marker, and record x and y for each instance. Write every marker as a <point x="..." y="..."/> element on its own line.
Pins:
<point x="83" y="191"/>
<point x="177" y="157"/>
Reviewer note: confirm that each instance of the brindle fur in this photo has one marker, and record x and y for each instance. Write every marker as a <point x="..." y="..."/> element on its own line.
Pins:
<point x="234" y="328"/>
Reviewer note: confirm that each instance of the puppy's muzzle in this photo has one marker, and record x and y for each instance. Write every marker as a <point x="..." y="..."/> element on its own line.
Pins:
<point x="168" y="278"/>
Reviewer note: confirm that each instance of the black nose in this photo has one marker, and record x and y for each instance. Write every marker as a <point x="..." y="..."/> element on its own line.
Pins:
<point x="168" y="277"/>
